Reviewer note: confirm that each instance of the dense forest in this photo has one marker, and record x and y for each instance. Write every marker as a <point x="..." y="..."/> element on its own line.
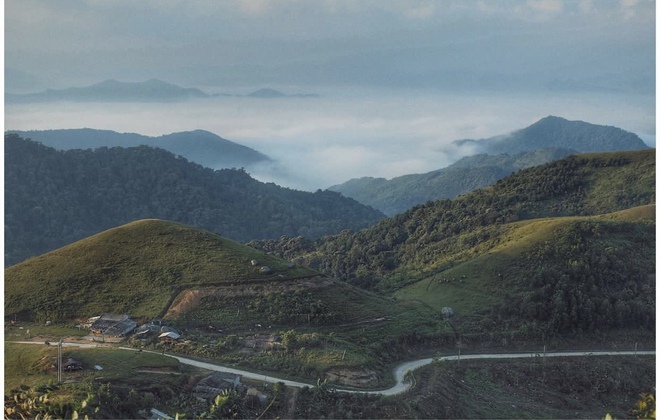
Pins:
<point x="53" y="198"/>
<point x="399" y="194"/>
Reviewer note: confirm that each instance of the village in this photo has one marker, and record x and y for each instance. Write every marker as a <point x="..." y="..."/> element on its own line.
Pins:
<point x="120" y="328"/>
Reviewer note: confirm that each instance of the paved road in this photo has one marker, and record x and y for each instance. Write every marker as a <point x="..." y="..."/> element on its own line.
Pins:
<point x="399" y="372"/>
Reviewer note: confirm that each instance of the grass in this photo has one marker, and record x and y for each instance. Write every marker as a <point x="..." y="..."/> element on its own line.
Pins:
<point x="30" y="330"/>
<point x="477" y="283"/>
<point x="27" y="364"/>
<point x="368" y="327"/>
<point x="122" y="364"/>
<point x="135" y="269"/>
<point x="31" y="364"/>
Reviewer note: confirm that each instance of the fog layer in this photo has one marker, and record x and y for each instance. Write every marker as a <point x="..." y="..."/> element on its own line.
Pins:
<point x="327" y="140"/>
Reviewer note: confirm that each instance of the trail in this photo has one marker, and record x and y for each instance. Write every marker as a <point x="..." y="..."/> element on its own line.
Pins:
<point x="399" y="372"/>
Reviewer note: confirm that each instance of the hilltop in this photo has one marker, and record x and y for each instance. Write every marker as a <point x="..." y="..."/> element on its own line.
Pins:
<point x="53" y="198"/>
<point x="199" y="146"/>
<point x="133" y="268"/>
<point x="557" y="132"/>
<point x="548" y="139"/>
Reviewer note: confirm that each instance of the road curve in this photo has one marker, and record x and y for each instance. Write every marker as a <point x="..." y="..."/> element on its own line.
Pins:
<point x="399" y="372"/>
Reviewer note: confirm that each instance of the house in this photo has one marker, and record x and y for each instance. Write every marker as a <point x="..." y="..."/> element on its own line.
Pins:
<point x="70" y="364"/>
<point x="113" y="325"/>
<point x="214" y="384"/>
<point x="169" y="337"/>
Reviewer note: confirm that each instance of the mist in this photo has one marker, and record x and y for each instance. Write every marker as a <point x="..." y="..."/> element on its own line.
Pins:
<point x="318" y="142"/>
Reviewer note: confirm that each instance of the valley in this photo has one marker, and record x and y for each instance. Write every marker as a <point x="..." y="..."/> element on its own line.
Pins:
<point x="553" y="259"/>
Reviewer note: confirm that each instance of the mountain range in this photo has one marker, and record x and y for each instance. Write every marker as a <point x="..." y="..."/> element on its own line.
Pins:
<point x="53" y="198"/>
<point x="546" y="140"/>
<point x="199" y="146"/>
<point x="152" y="90"/>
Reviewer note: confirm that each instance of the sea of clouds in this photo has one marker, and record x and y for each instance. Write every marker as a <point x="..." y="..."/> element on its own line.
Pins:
<point x="317" y="142"/>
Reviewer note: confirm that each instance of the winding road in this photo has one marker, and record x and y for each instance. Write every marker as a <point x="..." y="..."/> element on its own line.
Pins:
<point x="399" y="372"/>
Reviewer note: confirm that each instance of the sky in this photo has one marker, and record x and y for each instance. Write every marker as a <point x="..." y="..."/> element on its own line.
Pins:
<point x="397" y="80"/>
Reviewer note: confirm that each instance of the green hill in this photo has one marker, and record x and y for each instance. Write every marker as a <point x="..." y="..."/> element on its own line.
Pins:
<point x="199" y="281"/>
<point x="555" y="211"/>
<point x="135" y="268"/>
<point x="401" y="193"/>
<point x="53" y="198"/>
<point x="552" y="276"/>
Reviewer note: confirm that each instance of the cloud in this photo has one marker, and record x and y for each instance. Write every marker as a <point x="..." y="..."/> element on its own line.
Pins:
<point x="548" y="6"/>
<point x="421" y="12"/>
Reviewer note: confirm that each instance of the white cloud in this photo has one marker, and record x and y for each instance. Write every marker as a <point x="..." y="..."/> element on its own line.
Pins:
<point x="547" y="6"/>
<point x="424" y="11"/>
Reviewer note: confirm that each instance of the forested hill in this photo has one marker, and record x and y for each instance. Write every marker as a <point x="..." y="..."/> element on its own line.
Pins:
<point x="548" y="139"/>
<point x="424" y="238"/>
<point x="557" y="132"/>
<point x="197" y="146"/>
<point x="53" y="198"/>
<point x="399" y="194"/>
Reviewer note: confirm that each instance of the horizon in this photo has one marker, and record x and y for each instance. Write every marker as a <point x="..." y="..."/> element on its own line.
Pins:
<point x="397" y="80"/>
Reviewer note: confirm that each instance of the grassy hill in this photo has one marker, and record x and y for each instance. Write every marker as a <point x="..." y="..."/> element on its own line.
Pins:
<point x="567" y="275"/>
<point x="135" y="268"/>
<point x="201" y="283"/>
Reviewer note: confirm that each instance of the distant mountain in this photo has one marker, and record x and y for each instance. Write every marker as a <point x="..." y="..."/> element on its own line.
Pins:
<point x="399" y="194"/>
<point x="199" y="146"/>
<point x="548" y="139"/>
<point x="152" y="90"/>
<point x="556" y="132"/>
<point x="272" y="93"/>
<point x="53" y="198"/>
<point x="267" y="93"/>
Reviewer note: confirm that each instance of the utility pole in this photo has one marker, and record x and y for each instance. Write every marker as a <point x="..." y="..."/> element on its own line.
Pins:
<point x="59" y="361"/>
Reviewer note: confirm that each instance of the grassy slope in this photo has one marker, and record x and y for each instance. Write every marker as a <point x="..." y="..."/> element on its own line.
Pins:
<point x="135" y="268"/>
<point x="479" y="287"/>
<point x="32" y="365"/>
<point x="142" y="267"/>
